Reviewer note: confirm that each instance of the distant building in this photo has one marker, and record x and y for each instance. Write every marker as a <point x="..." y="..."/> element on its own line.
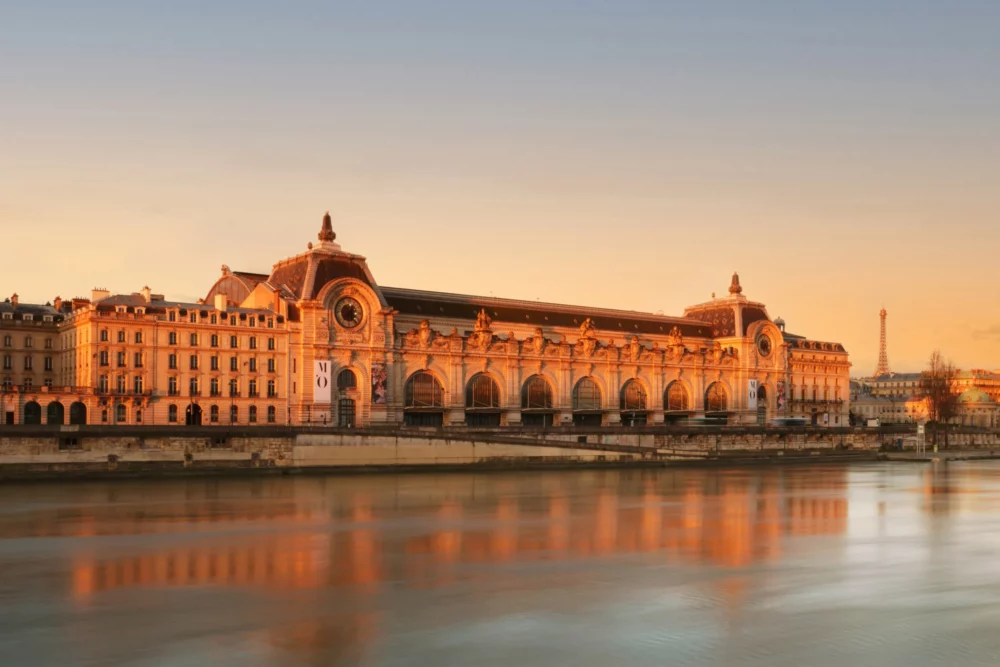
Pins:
<point x="896" y="398"/>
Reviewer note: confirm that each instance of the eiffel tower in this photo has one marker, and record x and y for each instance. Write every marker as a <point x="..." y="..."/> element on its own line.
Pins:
<point x="883" y="356"/>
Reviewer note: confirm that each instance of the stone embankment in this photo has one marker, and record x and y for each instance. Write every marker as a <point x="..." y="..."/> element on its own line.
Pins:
<point x="45" y="452"/>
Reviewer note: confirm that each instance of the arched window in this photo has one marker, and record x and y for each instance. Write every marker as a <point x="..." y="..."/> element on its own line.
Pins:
<point x="482" y="393"/>
<point x="172" y="414"/>
<point x="271" y="414"/>
<point x="213" y="414"/>
<point x="138" y="416"/>
<point x="121" y="413"/>
<point x="55" y="413"/>
<point x="346" y="379"/>
<point x="633" y="398"/>
<point x="587" y="395"/>
<point x="423" y="391"/>
<point x="536" y="394"/>
<point x="715" y="398"/>
<point x="252" y="416"/>
<point x="676" y="398"/>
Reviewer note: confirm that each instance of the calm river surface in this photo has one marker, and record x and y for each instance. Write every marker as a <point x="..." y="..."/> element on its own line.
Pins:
<point x="881" y="565"/>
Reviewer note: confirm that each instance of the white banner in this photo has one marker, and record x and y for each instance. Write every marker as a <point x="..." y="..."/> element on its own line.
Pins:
<point x="322" y="377"/>
<point x="752" y="395"/>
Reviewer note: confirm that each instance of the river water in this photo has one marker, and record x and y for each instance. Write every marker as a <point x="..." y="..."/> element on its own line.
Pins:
<point x="878" y="564"/>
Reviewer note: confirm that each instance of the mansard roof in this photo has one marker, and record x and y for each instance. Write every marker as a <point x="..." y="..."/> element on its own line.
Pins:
<point x="461" y="306"/>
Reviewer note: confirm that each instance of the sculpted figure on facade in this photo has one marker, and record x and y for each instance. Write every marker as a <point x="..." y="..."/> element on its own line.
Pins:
<point x="483" y="321"/>
<point x="587" y="329"/>
<point x="634" y="348"/>
<point x="538" y="341"/>
<point x="512" y="346"/>
<point x="426" y="334"/>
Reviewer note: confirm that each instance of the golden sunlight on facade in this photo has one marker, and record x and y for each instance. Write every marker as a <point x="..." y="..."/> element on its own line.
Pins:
<point x="319" y="341"/>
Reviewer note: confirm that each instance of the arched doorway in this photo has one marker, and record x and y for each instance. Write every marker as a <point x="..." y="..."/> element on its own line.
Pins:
<point x="676" y="405"/>
<point x="633" y="404"/>
<point x="77" y="413"/>
<point x="761" y="405"/>
<point x="588" y="403"/>
<point x="482" y="401"/>
<point x="32" y="414"/>
<point x="345" y="412"/>
<point x="536" y="402"/>
<point x="55" y="413"/>
<point x="423" y="400"/>
<point x="192" y="415"/>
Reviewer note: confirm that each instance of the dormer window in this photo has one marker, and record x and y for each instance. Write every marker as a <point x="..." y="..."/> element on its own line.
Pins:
<point x="8" y="316"/>
<point x="46" y="318"/>
<point x="28" y="317"/>
<point x="140" y="311"/>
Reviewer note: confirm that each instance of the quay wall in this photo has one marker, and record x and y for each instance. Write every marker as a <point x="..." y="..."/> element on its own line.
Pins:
<point x="83" y="451"/>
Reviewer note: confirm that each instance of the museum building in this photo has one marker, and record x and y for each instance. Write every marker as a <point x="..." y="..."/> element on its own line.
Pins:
<point x="361" y="353"/>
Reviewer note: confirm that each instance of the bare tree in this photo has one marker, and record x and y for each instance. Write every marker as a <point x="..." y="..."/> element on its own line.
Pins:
<point x="936" y="387"/>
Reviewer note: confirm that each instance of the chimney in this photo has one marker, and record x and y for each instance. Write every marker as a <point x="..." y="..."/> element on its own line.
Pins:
<point x="147" y="294"/>
<point x="57" y="304"/>
<point x="220" y="302"/>
<point x="98" y="294"/>
<point x="13" y="300"/>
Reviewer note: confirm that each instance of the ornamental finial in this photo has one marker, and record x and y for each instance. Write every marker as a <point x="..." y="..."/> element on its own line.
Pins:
<point x="326" y="234"/>
<point x="734" y="287"/>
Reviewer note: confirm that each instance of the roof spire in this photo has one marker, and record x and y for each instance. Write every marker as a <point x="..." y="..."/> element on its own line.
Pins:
<point x="326" y="234"/>
<point x="734" y="287"/>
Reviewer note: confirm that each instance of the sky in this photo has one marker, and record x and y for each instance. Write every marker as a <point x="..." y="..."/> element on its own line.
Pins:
<point x="841" y="156"/>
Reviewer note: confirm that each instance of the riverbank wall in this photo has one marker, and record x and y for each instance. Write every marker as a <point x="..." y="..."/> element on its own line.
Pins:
<point x="67" y="452"/>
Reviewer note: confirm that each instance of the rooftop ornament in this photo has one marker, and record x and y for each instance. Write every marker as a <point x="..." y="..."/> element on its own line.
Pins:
<point x="734" y="287"/>
<point x="326" y="234"/>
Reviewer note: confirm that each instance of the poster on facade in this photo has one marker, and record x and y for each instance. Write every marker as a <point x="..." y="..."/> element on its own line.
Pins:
<point x="322" y="377"/>
<point x="751" y="395"/>
<point x="781" y="395"/>
<point x="378" y="384"/>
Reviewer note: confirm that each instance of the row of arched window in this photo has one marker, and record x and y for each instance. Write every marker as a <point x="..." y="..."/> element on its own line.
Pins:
<point x="55" y="413"/>
<point x="424" y="391"/>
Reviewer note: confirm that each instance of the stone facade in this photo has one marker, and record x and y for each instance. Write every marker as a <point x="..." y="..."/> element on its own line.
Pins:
<point x="335" y="347"/>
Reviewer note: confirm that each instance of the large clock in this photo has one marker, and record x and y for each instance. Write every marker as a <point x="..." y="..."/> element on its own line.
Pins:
<point x="763" y="345"/>
<point x="348" y="312"/>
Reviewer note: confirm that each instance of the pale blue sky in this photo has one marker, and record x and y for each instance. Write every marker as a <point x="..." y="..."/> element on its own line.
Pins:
<point x="627" y="154"/>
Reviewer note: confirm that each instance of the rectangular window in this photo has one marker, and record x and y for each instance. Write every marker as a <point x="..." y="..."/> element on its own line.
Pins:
<point x="104" y="335"/>
<point x="271" y="389"/>
<point x="48" y="363"/>
<point x="253" y="321"/>
<point x="172" y="389"/>
<point x="232" y="320"/>
<point x="121" y="336"/>
<point x="270" y="343"/>
<point x="193" y="362"/>
<point x="253" y="342"/>
<point x="172" y="362"/>
<point x="270" y="365"/>
<point x="7" y="342"/>
<point x="8" y="362"/>
<point x="172" y="316"/>
<point x="253" y="389"/>
<point x="215" y="387"/>
<point x="270" y="323"/>
<point x="193" y="387"/>
<point x="28" y="341"/>
<point x="214" y="319"/>
<point x="253" y="365"/>
<point x="234" y="342"/>
<point x="27" y="363"/>
<point x="234" y="388"/>
<point x="102" y="384"/>
<point x="138" y="336"/>
<point x="194" y="339"/>
<point x="27" y="384"/>
<point x="172" y="338"/>
<point x="48" y="343"/>
<point x="215" y="363"/>
<point x="137" y="359"/>
<point x="194" y="317"/>
<point x="234" y="365"/>
<point x="137" y="384"/>
<point x="48" y="382"/>
<point x="120" y="358"/>
<point x="121" y="384"/>
<point x="215" y="340"/>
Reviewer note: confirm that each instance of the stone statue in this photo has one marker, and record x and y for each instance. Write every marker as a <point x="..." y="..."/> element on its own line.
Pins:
<point x="634" y="348"/>
<point x="425" y="333"/>
<point x="538" y="341"/>
<point x="587" y="328"/>
<point x="483" y="321"/>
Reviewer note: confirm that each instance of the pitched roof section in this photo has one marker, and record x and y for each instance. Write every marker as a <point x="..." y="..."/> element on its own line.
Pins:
<point x="461" y="306"/>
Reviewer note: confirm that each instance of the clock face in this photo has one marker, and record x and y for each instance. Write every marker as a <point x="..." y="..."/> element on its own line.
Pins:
<point x="348" y="312"/>
<point x="764" y="346"/>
